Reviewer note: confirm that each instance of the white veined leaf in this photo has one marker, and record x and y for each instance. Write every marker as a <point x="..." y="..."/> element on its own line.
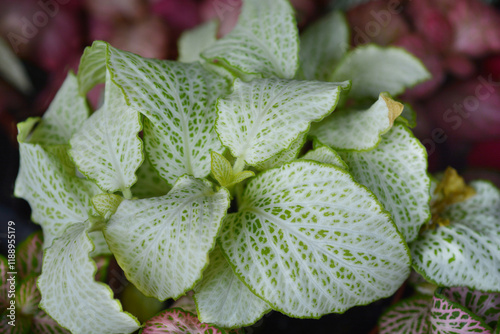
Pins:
<point x="12" y="70"/>
<point x="70" y="294"/>
<point x="374" y="69"/>
<point x="285" y="156"/>
<point x="222" y="299"/>
<point x="408" y="316"/>
<point x="65" y="115"/>
<point x="193" y="42"/>
<point x="358" y="130"/>
<point x="311" y="241"/>
<point x="107" y="148"/>
<point x="149" y="183"/>
<point x="396" y="172"/>
<point x="322" y="45"/>
<point x="92" y="68"/>
<point x="100" y="245"/>
<point x="178" y="101"/>
<point x="325" y="155"/>
<point x="61" y="152"/>
<point x="264" y="42"/>
<point x="162" y="244"/>
<point x="56" y="198"/>
<point x="261" y="118"/>
<point x="467" y="252"/>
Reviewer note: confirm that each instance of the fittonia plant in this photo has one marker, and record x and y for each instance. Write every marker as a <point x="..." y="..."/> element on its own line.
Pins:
<point x="449" y="310"/>
<point x="24" y="316"/>
<point x="457" y="250"/>
<point x="198" y="175"/>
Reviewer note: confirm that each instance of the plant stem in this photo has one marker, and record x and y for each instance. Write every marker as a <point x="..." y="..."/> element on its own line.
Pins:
<point x="239" y="165"/>
<point x="127" y="194"/>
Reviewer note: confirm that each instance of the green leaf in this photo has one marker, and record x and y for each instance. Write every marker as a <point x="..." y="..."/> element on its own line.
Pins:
<point x="107" y="148"/>
<point x="178" y="101"/>
<point x="106" y="204"/>
<point x="12" y="70"/>
<point x="193" y="42"/>
<point x="139" y="305"/>
<point x="149" y="183"/>
<point x="325" y="155"/>
<point x="467" y="252"/>
<point x="29" y="255"/>
<point x="56" y="198"/>
<point x="65" y="115"/>
<point x="178" y="321"/>
<point x="223" y="171"/>
<point x="311" y="241"/>
<point x="408" y="316"/>
<point x="70" y="294"/>
<point x="222" y="299"/>
<point x="162" y="243"/>
<point x="285" y="156"/>
<point x="263" y="117"/>
<point x="92" y="69"/>
<point x="264" y="42"/>
<point x="357" y="129"/>
<point x="374" y="69"/>
<point x="396" y="172"/>
<point x="322" y="45"/>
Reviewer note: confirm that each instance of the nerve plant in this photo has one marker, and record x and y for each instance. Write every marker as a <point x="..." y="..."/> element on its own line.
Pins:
<point x="19" y="296"/>
<point x="200" y="175"/>
<point x="457" y="254"/>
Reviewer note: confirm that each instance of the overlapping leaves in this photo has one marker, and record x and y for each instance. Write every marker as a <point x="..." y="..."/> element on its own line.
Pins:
<point x="255" y="121"/>
<point x="450" y="310"/>
<point x="306" y="239"/>
<point x="311" y="241"/>
<point x="263" y="43"/>
<point x="466" y="252"/>
<point x="162" y="243"/>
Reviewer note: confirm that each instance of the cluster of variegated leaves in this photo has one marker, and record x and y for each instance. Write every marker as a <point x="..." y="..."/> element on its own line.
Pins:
<point x="446" y="310"/>
<point x="28" y="318"/>
<point x="306" y="234"/>
<point x="460" y="252"/>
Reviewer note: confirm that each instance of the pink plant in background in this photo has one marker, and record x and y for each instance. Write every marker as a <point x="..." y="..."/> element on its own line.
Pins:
<point x="444" y="34"/>
<point x="467" y="110"/>
<point x="452" y="38"/>
<point x="30" y="319"/>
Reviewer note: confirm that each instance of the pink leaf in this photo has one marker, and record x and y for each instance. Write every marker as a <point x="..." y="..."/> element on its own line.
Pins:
<point x="43" y="323"/>
<point x="408" y="316"/>
<point x="178" y="321"/>
<point x="449" y="317"/>
<point x="29" y="255"/>
<point x="22" y="325"/>
<point x="28" y="297"/>
<point x="4" y="285"/>
<point x="484" y="304"/>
